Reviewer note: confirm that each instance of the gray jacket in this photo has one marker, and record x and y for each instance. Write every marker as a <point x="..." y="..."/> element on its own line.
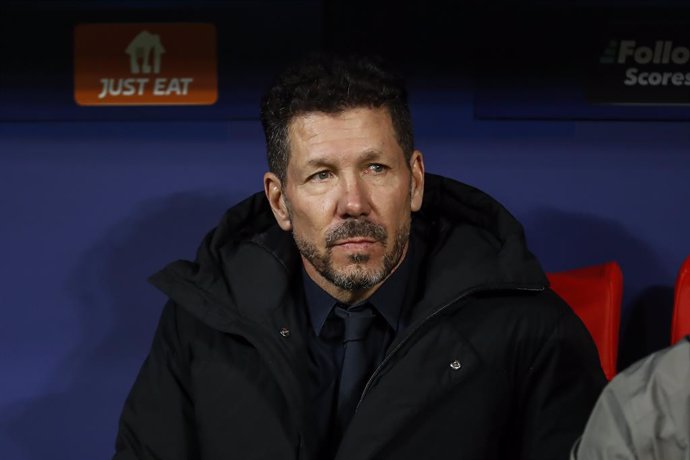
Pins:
<point x="644" y="412"/>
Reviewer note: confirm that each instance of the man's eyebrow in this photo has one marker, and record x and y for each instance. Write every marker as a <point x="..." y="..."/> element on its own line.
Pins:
<point x="318" y="162"/>
<point x="371" y="155"/>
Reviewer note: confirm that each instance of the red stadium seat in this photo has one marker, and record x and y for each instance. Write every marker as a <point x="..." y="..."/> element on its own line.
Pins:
<point x="680" y="325"/>
<point x="595" y="294"/>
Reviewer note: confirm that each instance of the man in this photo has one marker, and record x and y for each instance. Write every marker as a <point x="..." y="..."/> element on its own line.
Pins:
<point x="359" y="308"/>
<point x="644" y="412"/>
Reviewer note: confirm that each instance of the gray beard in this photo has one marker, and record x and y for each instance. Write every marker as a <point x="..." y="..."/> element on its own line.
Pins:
<point x="360" y="278"/>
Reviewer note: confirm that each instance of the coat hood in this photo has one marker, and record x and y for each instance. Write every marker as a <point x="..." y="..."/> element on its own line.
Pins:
<point x="244" y="266"/>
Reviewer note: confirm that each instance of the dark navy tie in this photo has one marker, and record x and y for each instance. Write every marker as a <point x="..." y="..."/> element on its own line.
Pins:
<point x="357" y="360"/>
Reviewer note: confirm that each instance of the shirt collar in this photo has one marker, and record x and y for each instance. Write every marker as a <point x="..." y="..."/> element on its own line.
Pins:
<point x="387" y="300"/>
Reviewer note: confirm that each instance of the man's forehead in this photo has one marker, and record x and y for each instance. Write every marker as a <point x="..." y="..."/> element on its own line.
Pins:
<point x="362" y="121"/>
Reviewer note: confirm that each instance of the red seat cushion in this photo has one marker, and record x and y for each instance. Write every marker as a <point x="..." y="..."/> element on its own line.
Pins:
<point x="595" y="294"/>
<point x="680" y="325"/>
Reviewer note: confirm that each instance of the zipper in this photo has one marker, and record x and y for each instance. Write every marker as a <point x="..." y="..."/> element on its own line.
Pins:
<point x="433" y="315"/>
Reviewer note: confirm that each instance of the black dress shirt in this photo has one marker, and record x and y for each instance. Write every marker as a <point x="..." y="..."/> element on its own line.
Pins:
<point x="325" y="348"/>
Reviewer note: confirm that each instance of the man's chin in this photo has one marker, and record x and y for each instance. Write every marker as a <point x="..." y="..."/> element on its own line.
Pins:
<point x="356" y="262"/>
<point x="358" y="270"/>
<point x="356" y="280"/>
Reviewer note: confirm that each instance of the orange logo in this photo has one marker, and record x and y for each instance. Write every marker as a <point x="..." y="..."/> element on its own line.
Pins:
<point x="145" y="64"/>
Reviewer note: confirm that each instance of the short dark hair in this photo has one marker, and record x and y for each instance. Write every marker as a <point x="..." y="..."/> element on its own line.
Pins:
<point x="332" y="84"/>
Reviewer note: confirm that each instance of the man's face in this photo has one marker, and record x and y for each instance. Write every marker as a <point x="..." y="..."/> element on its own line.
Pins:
<point x="348" y="197"/>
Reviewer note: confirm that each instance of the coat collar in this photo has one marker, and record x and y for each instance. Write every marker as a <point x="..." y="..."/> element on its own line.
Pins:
<point x="246" y="266"/>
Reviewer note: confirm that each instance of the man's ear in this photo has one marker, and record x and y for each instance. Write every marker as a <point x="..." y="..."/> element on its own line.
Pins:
<point x="276" y="198"/>
<point x="417" y="187"/>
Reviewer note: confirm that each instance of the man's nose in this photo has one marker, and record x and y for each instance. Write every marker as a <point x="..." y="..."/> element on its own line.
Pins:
<point x="354" y="198"/>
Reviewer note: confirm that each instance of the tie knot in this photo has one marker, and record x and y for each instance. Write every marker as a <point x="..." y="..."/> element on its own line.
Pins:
<point x="357" y="321"/>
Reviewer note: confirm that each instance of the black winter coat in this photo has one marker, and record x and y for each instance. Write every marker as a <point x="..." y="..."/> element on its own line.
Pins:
<point x="493" y="366"/>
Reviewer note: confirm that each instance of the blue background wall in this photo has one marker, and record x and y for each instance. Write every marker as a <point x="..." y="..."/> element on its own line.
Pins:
<point x="89" y="209"/>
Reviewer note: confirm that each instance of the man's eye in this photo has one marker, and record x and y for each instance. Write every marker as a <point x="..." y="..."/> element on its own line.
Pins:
<point x="377" y="168"/>
<point x="320" y="176"/>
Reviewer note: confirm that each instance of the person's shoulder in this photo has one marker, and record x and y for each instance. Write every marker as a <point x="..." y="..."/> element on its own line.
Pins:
<point x="182" y="325"/>
<point x="538" y="306"/>
<point x="538" y="318"/>
<point x="537" y="332"/>
<point x="667" y="369"/>
<point x="643" y="409"/>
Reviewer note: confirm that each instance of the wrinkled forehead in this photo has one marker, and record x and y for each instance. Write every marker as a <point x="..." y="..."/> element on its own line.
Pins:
<point x="348" y="132"/>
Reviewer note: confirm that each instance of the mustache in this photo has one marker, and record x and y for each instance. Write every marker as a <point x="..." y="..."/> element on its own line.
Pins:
<point x="355" y="229"/>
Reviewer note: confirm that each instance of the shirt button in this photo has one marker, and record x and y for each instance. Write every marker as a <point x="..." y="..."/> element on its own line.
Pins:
<point x="455" y="365"/>
<point x="285" y="332"/>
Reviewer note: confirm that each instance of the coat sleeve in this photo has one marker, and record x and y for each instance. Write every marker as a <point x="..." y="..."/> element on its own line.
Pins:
<point x="561" y="386"/>
<point x="157" y="420"/>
